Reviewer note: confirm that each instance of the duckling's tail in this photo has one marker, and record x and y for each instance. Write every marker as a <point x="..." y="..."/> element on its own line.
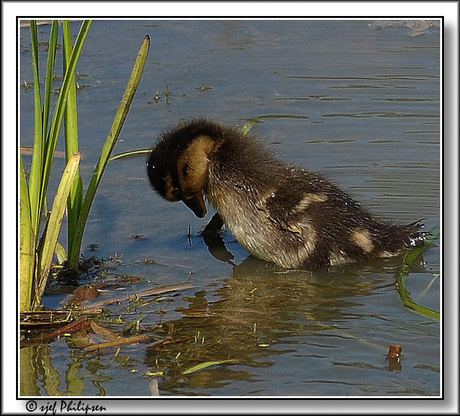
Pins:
<point x="392" y="238"/>
<point x="416" y="234"/>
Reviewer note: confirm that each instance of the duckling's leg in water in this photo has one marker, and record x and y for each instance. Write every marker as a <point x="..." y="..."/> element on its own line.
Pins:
<point x="214" y="240"/>
<point x="213" y="226"/>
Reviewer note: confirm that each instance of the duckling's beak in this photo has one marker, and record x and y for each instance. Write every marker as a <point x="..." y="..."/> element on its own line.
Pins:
<point x="196" y="204"/>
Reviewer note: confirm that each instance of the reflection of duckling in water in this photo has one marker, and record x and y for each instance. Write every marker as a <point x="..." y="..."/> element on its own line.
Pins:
<point x="279" y="213"/>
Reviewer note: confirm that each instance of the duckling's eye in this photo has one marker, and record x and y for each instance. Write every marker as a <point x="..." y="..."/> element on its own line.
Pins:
<point x="175" y="192"/>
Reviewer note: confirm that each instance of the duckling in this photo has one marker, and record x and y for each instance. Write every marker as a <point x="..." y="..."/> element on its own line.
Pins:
<point x="279" y="213"/>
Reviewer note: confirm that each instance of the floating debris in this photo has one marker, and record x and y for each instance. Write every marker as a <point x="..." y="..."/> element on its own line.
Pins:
<point x="394" y="358"/>
<point x="119" y="342"/>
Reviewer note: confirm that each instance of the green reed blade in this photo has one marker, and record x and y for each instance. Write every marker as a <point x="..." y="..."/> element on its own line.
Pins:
<point x="207" y="364"/>
<point x="107" y="150"/>
<point x="71" y="137"/>
<point x="248" y="127"/>
<point x="61" y="253"/>
<point x="130" y="154"/>
<point x="48" y="246"/>
<point x="41" y="127"/>
<point x="60" y="106"/>
<point x="52" y="46"/>
<point x="26" y="244"/>
<point x="39" y="141"/>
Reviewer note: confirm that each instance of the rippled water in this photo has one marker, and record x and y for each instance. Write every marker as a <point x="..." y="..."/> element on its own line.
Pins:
<point x="355" y="100"/>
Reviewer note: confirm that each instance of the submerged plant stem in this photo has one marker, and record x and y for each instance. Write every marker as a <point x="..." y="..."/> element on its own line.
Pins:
<point x="403" y="273"/>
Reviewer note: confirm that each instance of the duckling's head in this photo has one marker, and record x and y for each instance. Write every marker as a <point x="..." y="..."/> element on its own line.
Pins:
<point x="178" y="165"/>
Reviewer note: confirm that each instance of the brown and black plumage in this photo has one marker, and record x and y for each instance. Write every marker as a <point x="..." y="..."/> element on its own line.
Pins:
<point x="279" y="213"/>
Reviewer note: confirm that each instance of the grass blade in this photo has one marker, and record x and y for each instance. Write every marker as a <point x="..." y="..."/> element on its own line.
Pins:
<point x="52" y="46"/>
<point x="61" y="254"/>
<point x="71" y="137"/>
<point x="207" y="364"/>
<point x="130" y="154"/>
<point x="248" y="127"/>
<point x="60" y="106"/>
<point x="107" y="150"/>
<point x="41" y="125"/>
<point x="39" y="141"/>
<point x="46" y="253"/>
<point x="26" y="244"/>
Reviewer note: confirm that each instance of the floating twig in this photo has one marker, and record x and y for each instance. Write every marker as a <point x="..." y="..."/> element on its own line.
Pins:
<point x="117" y="343"/>
<point x="148" y="292"/>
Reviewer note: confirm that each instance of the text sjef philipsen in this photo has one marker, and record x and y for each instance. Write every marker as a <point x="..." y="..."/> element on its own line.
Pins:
<point x="70" y="406"/>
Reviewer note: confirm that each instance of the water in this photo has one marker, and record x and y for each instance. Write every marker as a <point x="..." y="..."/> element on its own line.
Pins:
<point x="355" y="100"/>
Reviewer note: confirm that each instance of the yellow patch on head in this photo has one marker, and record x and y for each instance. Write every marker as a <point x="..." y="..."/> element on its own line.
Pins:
<point x="169" y="188"/>
<point x="363" y="239"/>
<point x="192" y="165"/>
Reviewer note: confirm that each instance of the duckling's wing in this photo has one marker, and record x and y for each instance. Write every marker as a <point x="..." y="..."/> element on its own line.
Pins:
<point x="298" y="198"/>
